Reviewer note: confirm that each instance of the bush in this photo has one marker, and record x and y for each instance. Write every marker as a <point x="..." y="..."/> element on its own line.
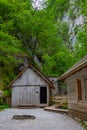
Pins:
<point x="4" y="106"/>
<point x="1" y="101"/>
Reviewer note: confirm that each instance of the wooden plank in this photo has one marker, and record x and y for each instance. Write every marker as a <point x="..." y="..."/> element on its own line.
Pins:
<point x="79" y="114"/>
<point x="26" y="89"/>
<point x="79" y="88"/>
<point x="86" y="88"/>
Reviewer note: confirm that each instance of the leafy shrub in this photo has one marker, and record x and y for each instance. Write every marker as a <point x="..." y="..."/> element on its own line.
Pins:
<point x="4" y="106"/>
<point x="1" y="100"/>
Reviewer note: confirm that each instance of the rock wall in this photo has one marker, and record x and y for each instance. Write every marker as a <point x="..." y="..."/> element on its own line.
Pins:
<point x="75" y="21"/>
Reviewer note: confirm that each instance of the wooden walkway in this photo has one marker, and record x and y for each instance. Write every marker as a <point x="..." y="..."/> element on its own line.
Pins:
<point x="52" y="108"/>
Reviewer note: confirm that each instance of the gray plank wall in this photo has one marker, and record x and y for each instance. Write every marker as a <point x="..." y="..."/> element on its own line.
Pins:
<point x="22" y="94"/>
<point x="72" y="91"/>
<point x="72" y="85"/>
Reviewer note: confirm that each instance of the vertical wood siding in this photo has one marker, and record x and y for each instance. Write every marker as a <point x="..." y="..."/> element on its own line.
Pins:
<point x="27" y="95"/>
<point x="26" y="89"/>
<point x="77" y="105"/>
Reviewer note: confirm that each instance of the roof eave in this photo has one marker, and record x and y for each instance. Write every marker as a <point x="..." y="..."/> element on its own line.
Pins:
<point x="38" y="72"/>
<point x="64" y="76"/>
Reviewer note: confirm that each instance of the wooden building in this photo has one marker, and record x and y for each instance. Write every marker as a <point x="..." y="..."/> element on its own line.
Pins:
<point x="55" y="83"/>
<point x="76" y="79"/>
<point x="59" y="89"/>
<point x="31" y="87"/>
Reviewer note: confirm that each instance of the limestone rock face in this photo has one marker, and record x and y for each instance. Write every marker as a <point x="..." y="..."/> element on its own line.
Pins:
<point x="75" y="21"/>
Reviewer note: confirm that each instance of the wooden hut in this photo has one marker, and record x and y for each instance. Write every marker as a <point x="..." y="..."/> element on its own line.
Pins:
<point x="76" y="79"/>
<point x="31" y="87"/>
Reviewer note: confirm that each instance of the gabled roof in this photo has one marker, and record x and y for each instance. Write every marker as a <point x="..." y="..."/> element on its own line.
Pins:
<point x="50" y="84"/>
<point x="79" y="65"/>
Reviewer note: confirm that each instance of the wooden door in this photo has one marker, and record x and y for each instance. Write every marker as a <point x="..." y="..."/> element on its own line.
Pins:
<point x="37" y="96"/>
<point x="33" y="95"/>
<point x="86" y="89"/>
<point x="23" y="95"/>
<point x="26" y="95"/>
<point x="79" y="89"/>
<point x="43" y="95"/>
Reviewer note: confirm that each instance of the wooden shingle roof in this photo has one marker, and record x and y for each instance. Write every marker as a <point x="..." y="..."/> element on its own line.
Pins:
<point x="79" y="65"/>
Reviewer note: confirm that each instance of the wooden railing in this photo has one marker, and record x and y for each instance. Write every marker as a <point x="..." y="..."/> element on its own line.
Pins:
<point x="60" y="101"/>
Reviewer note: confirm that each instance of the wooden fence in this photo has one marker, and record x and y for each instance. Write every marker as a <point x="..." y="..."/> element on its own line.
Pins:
<point x="60" y="102"/>
<point x="8" y="101"/>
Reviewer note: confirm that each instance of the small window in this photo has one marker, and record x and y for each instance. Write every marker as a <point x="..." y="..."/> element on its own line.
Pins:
<point x="79" y="89"/>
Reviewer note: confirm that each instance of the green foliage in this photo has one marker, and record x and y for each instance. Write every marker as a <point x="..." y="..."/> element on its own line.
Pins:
<point x="28" y="31"/>
<point x="82" y="5"/>
<point x="58" y="63"/>
<point x="62" y="29"/>
<point x="10" y="48"/>
<point x="1" y="100"/>
<point x="6" y="93"/>
<point x="58" y="7"/>
<point x="81" y="45"/>
<point x="65" y="105"/>
<point x="8" y="45"/>
<point x="5" y="10"/>
<point x="4" y="106"/>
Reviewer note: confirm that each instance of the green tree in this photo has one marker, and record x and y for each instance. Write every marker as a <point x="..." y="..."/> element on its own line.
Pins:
<point x="81" y="45"/>
<point x="10" y="50"/>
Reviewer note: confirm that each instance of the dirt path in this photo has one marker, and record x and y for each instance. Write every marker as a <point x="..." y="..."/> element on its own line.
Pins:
<point x="44" y="120"/>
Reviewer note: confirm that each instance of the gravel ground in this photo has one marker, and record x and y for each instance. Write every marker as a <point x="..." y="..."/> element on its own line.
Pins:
<point x="44" y="120"/>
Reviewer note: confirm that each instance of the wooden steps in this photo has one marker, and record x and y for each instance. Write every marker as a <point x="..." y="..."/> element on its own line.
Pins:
<point x="53" y="109"/>
<point x="60" y="102"/>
